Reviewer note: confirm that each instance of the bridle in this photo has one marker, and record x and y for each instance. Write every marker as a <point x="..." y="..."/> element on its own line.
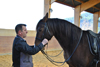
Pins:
<point x="44" y="32"/>
<point x="52" y="61"/>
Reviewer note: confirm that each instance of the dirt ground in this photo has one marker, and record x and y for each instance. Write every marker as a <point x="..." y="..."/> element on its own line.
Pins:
<point x="39" y="59"/>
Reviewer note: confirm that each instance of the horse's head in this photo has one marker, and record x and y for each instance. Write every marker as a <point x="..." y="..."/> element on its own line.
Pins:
<point x="42" y="31"/>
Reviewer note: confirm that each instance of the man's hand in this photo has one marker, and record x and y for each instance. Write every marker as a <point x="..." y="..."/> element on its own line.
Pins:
<point x="45" y="41"/>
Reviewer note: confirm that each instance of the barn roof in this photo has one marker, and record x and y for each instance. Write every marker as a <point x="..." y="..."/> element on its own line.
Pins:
<point x="73" y="3"/>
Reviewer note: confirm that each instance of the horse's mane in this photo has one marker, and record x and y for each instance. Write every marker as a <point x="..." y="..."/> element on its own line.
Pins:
<point x="62" y="26"/>
<point x="64" y="31"/>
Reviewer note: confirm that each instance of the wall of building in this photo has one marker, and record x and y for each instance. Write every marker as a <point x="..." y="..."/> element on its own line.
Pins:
<point x="7" y="36"/>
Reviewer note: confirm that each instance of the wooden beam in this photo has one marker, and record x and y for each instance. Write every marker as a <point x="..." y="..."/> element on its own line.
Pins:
<point x="73" y="2"/>
<point x="79" y="1"/>
<point x="95" y="22"/>
<point x="77" y="16"/>
<point x="84" y="2"/>
<point x="96" y="8"/>
<point x="65" y="4"/>
<point x="90" y="3"/>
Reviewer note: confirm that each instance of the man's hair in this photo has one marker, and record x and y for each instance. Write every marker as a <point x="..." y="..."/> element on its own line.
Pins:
<point x="19" y="27"/>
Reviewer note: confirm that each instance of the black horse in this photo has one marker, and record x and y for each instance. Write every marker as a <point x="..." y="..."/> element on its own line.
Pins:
<point x="72" y="39"/>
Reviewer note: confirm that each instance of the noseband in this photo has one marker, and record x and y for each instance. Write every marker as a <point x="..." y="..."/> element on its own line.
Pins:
<point x="44" y="32"/>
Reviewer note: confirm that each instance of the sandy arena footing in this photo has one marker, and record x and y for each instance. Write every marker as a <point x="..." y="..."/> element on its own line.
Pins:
<point x="39" y="59"/>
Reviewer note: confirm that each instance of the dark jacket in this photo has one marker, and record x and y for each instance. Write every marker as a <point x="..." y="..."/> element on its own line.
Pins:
<point x="21" y="52"/>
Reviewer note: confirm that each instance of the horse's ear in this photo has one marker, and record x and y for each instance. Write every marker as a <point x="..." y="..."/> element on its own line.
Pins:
<point x="45" y="17"/>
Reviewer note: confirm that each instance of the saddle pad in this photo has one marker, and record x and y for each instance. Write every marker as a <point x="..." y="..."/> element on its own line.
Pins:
<point x="94" y="40"/>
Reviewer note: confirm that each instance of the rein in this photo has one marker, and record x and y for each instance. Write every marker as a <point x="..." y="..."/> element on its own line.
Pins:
<point x="54" y="62"/>
<point x="46" y="55"/>
<point x="55" y="55"/>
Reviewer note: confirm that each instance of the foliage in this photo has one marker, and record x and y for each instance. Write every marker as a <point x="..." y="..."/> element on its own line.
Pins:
<point x="86" y="21"/>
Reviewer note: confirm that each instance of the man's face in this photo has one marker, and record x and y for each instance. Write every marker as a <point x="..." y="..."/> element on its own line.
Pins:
<point x="24" y="31"/>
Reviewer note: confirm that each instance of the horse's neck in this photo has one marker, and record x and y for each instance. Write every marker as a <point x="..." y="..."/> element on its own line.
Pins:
<point x="69" y="40"/>
<point x="63" y="41"/>
<point x="65" y="35"/>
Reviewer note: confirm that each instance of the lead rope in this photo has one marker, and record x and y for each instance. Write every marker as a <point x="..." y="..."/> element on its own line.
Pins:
<point x="53" y="62"/>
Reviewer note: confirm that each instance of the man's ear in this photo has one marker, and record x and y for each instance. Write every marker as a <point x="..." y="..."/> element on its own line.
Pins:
<point x="19" y="32"/>
<point x="45" y="17"/>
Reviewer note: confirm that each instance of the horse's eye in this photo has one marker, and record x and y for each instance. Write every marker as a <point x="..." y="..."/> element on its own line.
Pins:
<point x="40" y="30"/>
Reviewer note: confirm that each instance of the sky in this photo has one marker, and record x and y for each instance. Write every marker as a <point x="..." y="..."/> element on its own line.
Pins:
<point x="13" y="12"/>
<point x="61" y="11"/>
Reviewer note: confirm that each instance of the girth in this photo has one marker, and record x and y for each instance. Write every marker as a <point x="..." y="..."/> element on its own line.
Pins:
<point x="94" y="40"/>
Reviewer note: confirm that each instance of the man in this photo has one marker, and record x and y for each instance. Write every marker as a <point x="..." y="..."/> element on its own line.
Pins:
<point x="22" y="52"/>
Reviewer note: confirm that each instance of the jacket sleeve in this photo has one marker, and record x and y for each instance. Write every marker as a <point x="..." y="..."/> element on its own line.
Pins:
<point x="25" y="48"/>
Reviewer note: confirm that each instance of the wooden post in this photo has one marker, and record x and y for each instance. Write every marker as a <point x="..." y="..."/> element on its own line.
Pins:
<point x="99" y="13"/>
<point x="95" y="22"/>
<point x="77" y="16"/>
<point x="47" y="6"/>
